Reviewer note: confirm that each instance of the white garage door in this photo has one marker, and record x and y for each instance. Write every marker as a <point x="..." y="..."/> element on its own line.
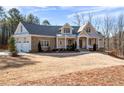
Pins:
<point x="23" y="47"/>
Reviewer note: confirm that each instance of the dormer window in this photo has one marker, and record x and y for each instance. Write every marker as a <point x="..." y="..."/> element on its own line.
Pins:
<point x="66" y="30"/>
<point x="88" y="30"/>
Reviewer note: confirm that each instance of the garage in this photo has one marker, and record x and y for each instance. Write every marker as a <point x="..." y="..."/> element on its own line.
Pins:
<point x="22" y="47"/>
<point x="23" y="44"/>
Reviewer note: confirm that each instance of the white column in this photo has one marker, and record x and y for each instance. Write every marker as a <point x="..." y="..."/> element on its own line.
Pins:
<point x="65" y="43"/>
<point x="57" y="42"/>
<point x="77" y="42"/>
<point x="98" y="42"/>
<point x="30" y="42"/>
<point x="82" y="42"/>
<point x="87" y="43"/>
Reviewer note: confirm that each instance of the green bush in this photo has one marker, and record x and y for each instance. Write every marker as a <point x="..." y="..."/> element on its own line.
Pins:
<point x="71" y="47"/>
<point x="11" y="46"/>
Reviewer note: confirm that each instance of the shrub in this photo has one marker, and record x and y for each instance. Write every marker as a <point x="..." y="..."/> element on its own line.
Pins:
<point x="39" y="47"/>
<point x="71" y="47"/>
<point x="12" y="47"/>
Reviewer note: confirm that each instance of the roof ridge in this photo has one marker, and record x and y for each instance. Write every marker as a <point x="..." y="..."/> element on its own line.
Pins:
<point x="46" y="25"/>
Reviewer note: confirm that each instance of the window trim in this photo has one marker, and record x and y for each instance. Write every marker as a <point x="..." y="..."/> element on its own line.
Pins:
<point x="67" y="30"/>
<point x="45" y="43"/>
<point x="88" y="29"/>
<point x="60" y="42"/>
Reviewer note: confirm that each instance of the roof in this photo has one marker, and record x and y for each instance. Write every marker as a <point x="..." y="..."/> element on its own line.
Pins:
<point x="53" y="30"/>
<point x="83" y="26"/>
<point x="45" y="30"/>
<point x="96" y="34"/>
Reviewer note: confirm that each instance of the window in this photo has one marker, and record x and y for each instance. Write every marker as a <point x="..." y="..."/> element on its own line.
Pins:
<point x="60" y="42"/>
<point x="45" y="43"/>
<point x="66" y="30"/>
<point x="21" y="28"/>
<point x="69" y="42"/>
<point x="24" y="40"/>
<point x="88" y="29"/>
<point x="27" y="41"/>
<point x="17" y="40"/>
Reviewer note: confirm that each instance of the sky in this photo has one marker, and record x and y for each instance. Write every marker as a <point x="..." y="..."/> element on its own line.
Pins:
<point x="59" y="15"/>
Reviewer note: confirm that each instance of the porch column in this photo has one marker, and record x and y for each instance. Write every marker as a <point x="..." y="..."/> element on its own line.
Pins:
<point x="87" y="43"/>
<point x="65" y="43"/>
<point x="57" y="42"/>
<point x="82" y="42"/>
<point x="77" y="42"/>
<point x="98" y="42"/>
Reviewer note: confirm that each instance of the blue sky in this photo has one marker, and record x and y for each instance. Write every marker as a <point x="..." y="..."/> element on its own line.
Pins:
<point x="59" y="15"/>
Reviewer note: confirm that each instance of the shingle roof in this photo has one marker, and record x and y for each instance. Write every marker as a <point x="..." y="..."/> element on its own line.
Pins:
<point x="45" y="30"/>
<point x="52" y="30"/>
<point x="95" y="35"/>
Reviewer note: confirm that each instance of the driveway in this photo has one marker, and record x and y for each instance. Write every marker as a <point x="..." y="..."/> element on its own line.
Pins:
<point x="14" y="71"/>
<point x="6" y="53"/>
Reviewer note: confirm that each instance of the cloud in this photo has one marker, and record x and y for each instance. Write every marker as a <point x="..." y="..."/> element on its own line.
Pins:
<point x="10" y="7"/>
<point x="87" y="10"/>
<point x="98" y="11"/>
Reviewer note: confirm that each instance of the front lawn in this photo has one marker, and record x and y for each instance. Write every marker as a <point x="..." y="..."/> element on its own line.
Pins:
<point x="33" y="67"/>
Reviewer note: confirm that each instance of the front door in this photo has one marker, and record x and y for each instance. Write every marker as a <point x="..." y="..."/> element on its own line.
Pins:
<point x="80" y="43"/>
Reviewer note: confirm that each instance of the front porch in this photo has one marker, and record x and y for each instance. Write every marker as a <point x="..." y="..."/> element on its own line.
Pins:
<point x="79" y="42"/>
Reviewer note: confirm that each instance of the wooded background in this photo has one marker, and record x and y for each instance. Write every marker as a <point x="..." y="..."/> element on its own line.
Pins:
<point x="112" y="27"/>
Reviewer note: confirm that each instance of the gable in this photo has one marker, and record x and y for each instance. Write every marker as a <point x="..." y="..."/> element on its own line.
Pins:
<point x="82" y="33"/>
<point x="92" y="33"/>
<point x="85" y="26"/>
<point x="66" y="26"/>
<point x="21" y="29"/>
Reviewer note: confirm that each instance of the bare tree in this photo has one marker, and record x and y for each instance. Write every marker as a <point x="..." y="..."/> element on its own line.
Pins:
<point x="77" y="19"/>
<point x="97" y="23"/>
<point x="114" y="35"/>
<point x="90" y="17"/>
<point x="107" y="30"/>
<point x="82" y="19"/>
<point x="120" y="33"/>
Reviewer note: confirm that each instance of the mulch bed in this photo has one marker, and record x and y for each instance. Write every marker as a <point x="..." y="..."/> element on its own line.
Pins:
<point x="108" y="76"/>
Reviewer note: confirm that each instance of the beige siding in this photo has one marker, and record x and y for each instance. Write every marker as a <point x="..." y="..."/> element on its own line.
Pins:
<point x="61" y="42"/>
<point x="101" y="43"/>
<point x="35" y="40"/>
